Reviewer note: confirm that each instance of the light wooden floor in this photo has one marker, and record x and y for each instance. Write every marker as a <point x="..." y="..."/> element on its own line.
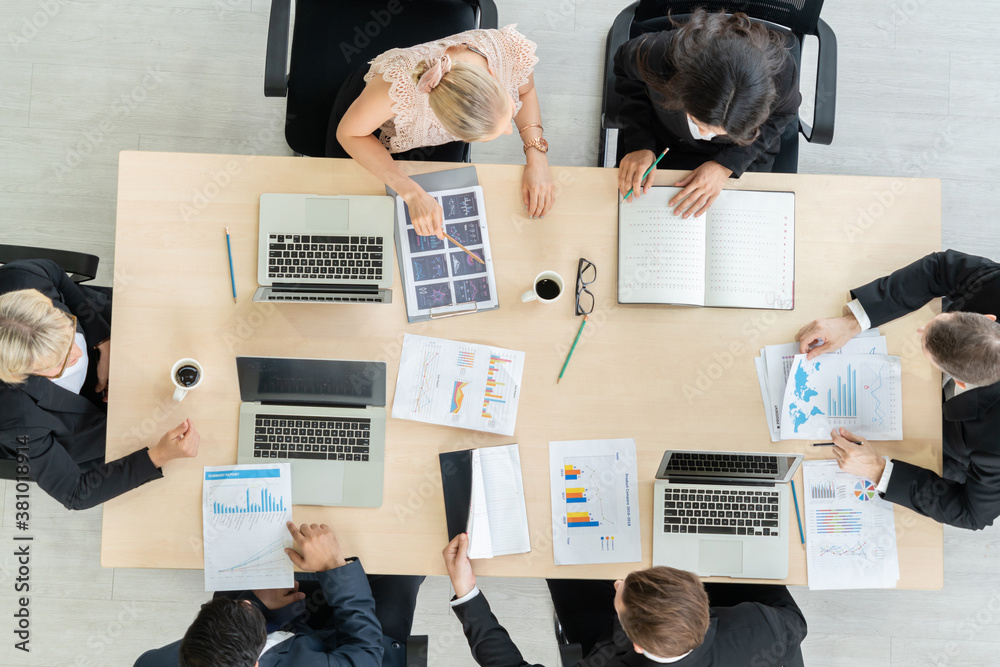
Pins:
<point x="81" y="80"/>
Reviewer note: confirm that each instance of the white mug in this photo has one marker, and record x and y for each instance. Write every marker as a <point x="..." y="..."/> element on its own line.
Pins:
<point x="532" y="294"/>
<point x="181" y="391"/>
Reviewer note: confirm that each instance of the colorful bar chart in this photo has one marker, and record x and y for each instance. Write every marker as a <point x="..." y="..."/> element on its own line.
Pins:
<point x="824" y="490"/>
<point x="580" y="520"/>
<point x="570" y="472"/>
<point x="466" y="358"/>
<point x="495" y="389"/>
<point x="266" y="503"/>
<point x="838" y="521"/>
<point x="846" y="403"/>
<point x="576" y="495"/>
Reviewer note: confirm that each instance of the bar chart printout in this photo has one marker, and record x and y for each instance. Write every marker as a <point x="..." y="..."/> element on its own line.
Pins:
<point x="595" y="518"/>
<point x="851" y="532"/>
<point x="244" y="511"/>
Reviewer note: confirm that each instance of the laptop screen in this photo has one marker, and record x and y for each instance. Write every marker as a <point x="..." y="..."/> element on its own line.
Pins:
<point x="312" y="381"/>
<point x="732" y="466"/>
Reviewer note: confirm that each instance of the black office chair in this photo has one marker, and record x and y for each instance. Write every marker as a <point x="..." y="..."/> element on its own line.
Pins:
<point x="332" y="38"/>
<point x="801" y="17"/>
<point x="80" y="266"/>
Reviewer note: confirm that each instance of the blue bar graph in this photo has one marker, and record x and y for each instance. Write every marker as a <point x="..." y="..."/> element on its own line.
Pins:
<point x="846" y="403"/>
<point x="266" y="503"/>
<point x="583" y="524"/>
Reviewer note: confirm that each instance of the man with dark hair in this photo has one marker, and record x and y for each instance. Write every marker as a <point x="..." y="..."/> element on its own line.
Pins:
<point x="327" y="618"/>
<point x="654" y="616"/>
<point x="963" y="342"/>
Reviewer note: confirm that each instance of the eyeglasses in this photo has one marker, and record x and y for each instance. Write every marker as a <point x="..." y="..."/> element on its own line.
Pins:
<point x="586" y="273"/>
<point x="69" y="352"/>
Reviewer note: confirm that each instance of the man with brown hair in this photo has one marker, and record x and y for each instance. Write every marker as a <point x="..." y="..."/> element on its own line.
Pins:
<point x="963" y="342"/>
<point x="652" y="617"/>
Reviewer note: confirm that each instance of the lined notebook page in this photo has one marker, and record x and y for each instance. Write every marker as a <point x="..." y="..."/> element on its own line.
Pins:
<point x="751" y="250"/>
<point x="480" y="538"/>
<point x="508" y="518"/>
<point x="661" y="256"/>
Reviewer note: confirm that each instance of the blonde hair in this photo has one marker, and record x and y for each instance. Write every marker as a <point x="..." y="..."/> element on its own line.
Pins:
<point x="469" y="101"/>
<point x="34" y="334"/>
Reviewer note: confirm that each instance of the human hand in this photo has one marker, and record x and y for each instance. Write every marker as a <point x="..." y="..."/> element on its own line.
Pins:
<point x="537" y="190"/>
<point x="425" y="213"/>
<point x="833" y="333"/>
<point x="630" y="171"/>
<point x="103" y="368"/>
<point x="456" y="560"/>
<point x="701" y="188"/>
<point x="862" y="460"/>
<point x="276" y="598"/>
<point x="320" y="550"/>
<point x="176" y="443"/>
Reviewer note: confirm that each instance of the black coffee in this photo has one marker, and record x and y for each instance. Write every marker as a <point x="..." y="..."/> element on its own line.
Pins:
<point x="547" y="289"/>
<point x="187" y="376"/>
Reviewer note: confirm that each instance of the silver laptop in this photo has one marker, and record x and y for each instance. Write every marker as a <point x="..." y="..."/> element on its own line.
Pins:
<point x="321" y="249"/>
<point x="326" y="417"/>
<point x="723" y="513"/>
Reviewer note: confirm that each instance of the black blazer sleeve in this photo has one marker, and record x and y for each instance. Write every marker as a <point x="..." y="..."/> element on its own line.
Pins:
<point x="491" y="645"/>
<point x="764" y="622"/>
<point x="786" y="110"/>
<point x="973" y="504"/>
<point x="951" y="274"/>
<point x="49" y="278"/>
<point x="638" y="115"/>
<point x="56" y="473"/>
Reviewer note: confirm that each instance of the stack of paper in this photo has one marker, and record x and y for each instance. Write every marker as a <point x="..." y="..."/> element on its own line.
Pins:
<point x="498" y="519"/>
<point x="851" y="531"/>
<point x="595" y="496"/>
<point x="857" y="387"/>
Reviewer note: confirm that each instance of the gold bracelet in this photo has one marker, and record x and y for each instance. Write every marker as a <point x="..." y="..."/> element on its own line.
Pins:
<point x="521" y="131"/>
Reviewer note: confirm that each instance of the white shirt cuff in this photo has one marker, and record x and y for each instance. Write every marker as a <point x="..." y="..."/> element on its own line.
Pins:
<point x="465" y="598"/>
<point x="860" y="315"/>
<point x="883" y="482"/>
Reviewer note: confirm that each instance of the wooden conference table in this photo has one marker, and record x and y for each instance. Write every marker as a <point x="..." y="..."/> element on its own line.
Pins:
<point x="668" y="377"/>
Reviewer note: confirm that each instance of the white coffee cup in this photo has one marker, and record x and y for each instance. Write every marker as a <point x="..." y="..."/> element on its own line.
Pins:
<point x="542" y="289"/>
<point x="182" y="389"/>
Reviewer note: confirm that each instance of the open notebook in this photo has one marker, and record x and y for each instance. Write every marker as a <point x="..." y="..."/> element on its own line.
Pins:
<point x="741" y="254"/>
<point x="484" y="496"/>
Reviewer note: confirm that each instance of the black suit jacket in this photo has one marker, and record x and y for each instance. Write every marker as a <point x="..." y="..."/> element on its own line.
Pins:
<point x="766" y="629"/>
<point x="648" y="124"/>
<point x="65" y="432"/>
<point x="971" y="428"/>
<point x="349" y="636"/>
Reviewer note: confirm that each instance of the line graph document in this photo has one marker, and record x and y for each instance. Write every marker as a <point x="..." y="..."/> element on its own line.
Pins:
<point x="595" y="496"/>
<point x="851" y="531"/>
<point x="452" y="383"/>
<point x="861" y="392"/>
<point x="244" y="511"/>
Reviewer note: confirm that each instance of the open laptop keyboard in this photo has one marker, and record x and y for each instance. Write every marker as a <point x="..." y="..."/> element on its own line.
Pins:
<point x="745" y="464"/>
<point x="699" y="509"/>
<point x="347" y="258"/>
<point x="325" y="438"/>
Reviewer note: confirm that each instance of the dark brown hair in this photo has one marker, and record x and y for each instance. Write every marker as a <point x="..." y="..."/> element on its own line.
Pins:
<point x="724" y="69"/>
<point x="226" y="633"/>
<point x="966" y="346"/>
<point x="665" y="611"/>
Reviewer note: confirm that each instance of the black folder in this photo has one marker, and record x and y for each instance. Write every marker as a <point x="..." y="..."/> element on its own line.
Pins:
<point x="456" y="481"/>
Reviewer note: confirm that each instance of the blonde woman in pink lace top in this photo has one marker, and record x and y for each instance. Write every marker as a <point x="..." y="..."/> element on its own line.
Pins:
<point x="473" y="86"/>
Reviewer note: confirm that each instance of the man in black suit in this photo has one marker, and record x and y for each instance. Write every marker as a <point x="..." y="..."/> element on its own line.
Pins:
<point x="56" y="415"/>
<point x="334" y="615"/>
<point x="963" y="342"/>
<point x="655" y="616"/>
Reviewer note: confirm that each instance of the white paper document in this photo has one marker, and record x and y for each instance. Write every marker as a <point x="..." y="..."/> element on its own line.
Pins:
<point x="741" y="254"/>
<point x="458" y="384"/>
<point x="498" y="518"/>
<point x="860" y="392"/>
<point x="775" y="363"/>
<point x="244" y="511"/>
<point x="438" y="276"/>
<point x="595" y="501"/>
<point x="851" y="531"/>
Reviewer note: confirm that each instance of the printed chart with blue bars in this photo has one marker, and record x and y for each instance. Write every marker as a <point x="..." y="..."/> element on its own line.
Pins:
<point x="245" y="509"/>
<point x="590" y="497"/>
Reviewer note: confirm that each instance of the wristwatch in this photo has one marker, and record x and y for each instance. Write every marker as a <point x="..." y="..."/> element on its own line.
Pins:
<point x="537" y="143"/>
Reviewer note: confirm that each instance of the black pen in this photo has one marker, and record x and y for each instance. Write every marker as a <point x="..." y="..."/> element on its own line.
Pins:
<point x="830" y="444"/>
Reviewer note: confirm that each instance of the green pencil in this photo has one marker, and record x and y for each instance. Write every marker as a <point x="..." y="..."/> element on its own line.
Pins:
<point x="575" y="341"/>
<point x="629" y="193"/>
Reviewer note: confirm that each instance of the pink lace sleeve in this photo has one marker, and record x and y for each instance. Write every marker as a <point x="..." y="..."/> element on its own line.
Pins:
<point x="513" y="56"/>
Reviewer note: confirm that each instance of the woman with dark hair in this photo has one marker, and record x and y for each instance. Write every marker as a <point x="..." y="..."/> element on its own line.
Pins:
<point x="718" y="91"/>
